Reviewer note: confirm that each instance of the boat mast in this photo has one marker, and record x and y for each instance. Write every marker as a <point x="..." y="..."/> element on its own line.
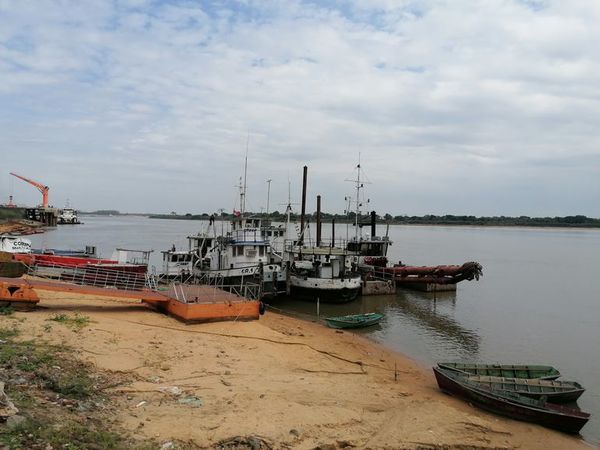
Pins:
<point x="243" y="194"/>
<point x="358" y="186"/>
<point x="268" y="194"/>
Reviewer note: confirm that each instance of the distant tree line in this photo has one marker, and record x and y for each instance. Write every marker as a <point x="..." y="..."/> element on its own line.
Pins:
<point x="11" y="213"/>
<point x="102" y="212"/>
<point x="578" y="221"/>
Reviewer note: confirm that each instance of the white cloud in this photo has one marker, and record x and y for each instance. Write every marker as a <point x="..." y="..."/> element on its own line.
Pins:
<point x="483" y="96"/>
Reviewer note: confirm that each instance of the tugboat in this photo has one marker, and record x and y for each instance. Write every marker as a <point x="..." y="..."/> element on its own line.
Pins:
<point x="322" y="271"/>
<point x="68" y="216"/>
<point x="241" y="256"/>
<point x="322" y="274"/>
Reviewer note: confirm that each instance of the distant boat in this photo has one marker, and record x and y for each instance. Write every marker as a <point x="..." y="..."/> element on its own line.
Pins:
<point x="512" y="405"/>
<point x="68" y="216"/>
<point x="354" y="321"/>
<point x="504" y="370"/>
<point x="554" y="391"/>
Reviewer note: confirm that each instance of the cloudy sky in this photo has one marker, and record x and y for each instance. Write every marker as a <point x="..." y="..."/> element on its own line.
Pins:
<point x="456" y="107"/>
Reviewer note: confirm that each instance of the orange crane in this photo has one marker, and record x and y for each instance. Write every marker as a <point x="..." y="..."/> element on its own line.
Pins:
<point x="43" y="189"/>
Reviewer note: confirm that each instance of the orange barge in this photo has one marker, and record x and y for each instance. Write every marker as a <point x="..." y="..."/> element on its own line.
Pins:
<point x="190" y="304"/>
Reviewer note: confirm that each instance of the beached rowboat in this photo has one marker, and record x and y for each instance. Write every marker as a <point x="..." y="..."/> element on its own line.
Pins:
<point x="503" y="370"/>
<point x="512" y="405"/>
<point x="554" y="391"/>
<point x="354" y="321"/>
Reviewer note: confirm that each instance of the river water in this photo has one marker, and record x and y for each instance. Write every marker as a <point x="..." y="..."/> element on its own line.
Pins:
<point x="536" y="302"/>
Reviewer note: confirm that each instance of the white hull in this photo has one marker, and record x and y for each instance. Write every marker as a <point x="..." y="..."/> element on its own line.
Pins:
<point x="14" y="244"/>
<point x="329" y="290"/>
<point x="270" y="272"/>
<point x="325" y="284"/>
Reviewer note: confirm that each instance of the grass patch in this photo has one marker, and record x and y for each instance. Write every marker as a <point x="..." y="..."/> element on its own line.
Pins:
<point x="68" y="435"/>
<point x="45" y="364"/>
<point x="8" y="333"/>
<point x="72" y="383"/>
<point x="22" y="356"/>
<point x="6" y="310"/>
<point x="76" y="322"/>
<point x="63" y="400"/>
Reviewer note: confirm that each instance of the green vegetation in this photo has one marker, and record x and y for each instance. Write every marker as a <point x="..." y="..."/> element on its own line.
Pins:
<point x="61" y="400"/>
<point x="11" y="213"/>
<point x="6" y="310"/>
<point x="578" y="221"/>
<point x="75" y="322"/>
<point x="70" y="436"/>
<point x="102" y="212"/>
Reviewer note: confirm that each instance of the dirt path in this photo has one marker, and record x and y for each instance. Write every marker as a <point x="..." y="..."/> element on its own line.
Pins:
<point x="291" y="383"/>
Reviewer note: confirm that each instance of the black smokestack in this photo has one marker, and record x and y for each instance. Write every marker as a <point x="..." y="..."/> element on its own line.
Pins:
<point x="333" y="232"/>
<point x="303" y="213"/>
<point x="318" y="220"/>
<point x="373" y="224"/>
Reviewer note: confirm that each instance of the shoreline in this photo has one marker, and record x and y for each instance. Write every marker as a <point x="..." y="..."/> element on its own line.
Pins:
<point x="291" y="381"/>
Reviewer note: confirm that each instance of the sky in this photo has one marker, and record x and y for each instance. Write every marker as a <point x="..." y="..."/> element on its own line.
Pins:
<point x="453" y="107"/>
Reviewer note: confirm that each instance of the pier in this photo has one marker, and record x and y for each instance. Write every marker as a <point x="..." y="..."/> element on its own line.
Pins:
<point x="200" y="304"/>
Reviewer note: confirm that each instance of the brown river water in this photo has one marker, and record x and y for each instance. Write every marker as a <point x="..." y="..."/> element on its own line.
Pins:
<point x="536" y="302"/>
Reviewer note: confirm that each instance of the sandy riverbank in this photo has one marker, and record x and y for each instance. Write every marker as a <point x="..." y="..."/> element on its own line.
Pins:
<point x="292" y="383"/>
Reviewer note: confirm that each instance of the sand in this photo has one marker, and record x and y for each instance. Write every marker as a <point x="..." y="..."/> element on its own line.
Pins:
<point x="291" y="383"/>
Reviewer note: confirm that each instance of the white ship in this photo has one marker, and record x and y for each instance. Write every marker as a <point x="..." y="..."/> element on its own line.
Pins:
<point x="323" y="273"/>
<point x="68" y="216"/>
<point x="243" y="254"/>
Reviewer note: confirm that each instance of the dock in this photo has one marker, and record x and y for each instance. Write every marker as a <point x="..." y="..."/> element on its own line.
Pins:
<point x="189" y="304"/>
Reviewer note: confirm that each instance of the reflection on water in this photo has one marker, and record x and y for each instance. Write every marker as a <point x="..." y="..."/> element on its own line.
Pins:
<point x="406" y="312"/>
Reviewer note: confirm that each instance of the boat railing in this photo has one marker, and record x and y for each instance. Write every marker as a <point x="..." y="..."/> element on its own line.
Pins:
<point x="247" y="289"/>
<point x="376" y="273"/>
<point x="327" y="246"/>
<point x="93" y="276"/>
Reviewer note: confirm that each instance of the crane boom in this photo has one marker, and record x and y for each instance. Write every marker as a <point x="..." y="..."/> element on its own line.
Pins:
<point x="40" y="187"/>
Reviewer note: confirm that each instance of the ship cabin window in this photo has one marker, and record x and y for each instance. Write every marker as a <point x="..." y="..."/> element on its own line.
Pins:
<point x="372" y="249"/>
<point x="353" y="246"/>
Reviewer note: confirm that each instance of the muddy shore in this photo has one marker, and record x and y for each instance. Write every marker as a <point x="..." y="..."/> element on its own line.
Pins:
<point x="285" y="382"/>
<point x="21" y="227"/>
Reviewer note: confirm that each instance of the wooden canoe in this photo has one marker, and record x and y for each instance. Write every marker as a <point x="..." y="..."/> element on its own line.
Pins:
<point x="503" y="370"/>
<point x="354" y="321"/>
<point x="515" y="406"/>
<point x="554" y="391"/>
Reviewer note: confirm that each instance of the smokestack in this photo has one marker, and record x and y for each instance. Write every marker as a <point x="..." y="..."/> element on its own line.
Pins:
<point x="333" y="232"/>
<point x="373" y="226"/>
<point x="303" y="213"/>
<point x="318" y="220"/>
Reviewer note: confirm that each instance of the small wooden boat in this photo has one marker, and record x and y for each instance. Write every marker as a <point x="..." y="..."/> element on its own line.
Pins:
<point x="503" y="370"/>
<point x="554" y="391"/>
<point x="354" y="320"/>
<point x="512" y="405"/>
